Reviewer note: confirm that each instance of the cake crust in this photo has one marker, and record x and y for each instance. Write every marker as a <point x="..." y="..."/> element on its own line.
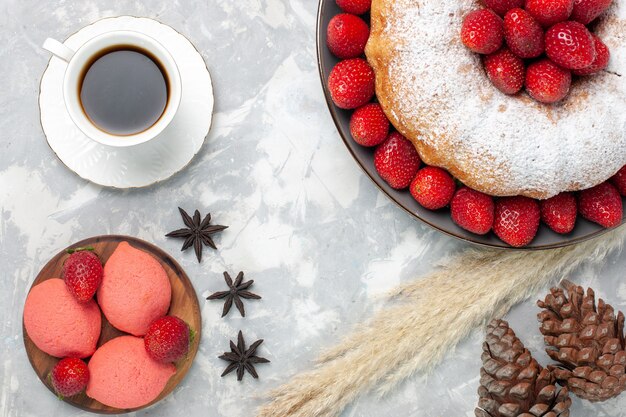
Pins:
<point x="435" y="92"/>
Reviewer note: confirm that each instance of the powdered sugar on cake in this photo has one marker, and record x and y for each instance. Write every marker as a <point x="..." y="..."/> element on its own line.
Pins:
<point x="437" y="92"/>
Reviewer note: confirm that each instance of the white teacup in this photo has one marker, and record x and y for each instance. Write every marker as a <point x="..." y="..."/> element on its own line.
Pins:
<point x="77" y="62"/>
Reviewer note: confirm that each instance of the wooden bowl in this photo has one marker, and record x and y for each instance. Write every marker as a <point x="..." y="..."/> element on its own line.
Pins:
<point x="184" y="304"/>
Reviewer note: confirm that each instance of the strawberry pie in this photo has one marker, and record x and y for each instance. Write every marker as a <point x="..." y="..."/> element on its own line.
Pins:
<point x="513" y="98"/>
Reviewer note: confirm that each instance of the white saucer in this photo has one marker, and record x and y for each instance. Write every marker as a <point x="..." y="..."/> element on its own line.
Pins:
<point x="148" y="163"/>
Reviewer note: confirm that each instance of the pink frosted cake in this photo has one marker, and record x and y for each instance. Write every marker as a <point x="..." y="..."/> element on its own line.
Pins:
<point x="58" y="324"/>
<point x="124" y="376"/>
<point x="135" y="290"/>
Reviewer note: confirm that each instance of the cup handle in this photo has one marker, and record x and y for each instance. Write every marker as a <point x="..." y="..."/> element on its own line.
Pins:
<point x="58" y="49"/>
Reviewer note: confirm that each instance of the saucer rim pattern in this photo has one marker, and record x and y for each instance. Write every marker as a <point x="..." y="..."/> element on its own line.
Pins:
<point x="153" y="182"/>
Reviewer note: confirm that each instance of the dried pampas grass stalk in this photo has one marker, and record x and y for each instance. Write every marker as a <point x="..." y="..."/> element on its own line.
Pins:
<point x="406" y="338"/>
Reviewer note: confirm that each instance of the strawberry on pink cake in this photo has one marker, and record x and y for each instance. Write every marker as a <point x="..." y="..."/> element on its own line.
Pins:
<point x="135" y="290"/>
<point x="123" y="375"/>
<point x="58" y="324"/>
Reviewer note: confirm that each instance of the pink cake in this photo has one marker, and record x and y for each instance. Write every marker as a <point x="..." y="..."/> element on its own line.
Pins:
<point x="135" y="290"/>
<point x="124" y="376"/>
<point x="58" y="324"/>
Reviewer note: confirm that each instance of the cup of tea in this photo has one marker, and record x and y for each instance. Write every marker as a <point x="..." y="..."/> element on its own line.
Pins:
<point x="121" y="88"/>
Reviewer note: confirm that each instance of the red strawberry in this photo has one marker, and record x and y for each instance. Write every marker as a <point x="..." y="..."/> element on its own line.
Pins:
<point x="82" y="272"/>
<point x="433" y="188"/>
<point x="396" y="161"/>
<point x="505" y="70"/>
<point x="523" y="34"/>
<point x="69" y="377"/>
<point x="570" y="45"/>
<point x="482" y="31"/>
<point x="601" y="204"/>
<point x="347" y="35"/>
<point x="546" y="82"/>
<point x="503" y="6"/>
<point x="168" y="339"/>
<point x="602" y="59"/>
<point x="472" y="210"/>
<point x="559" y="212"/>
<point x="351" y="83"/>
<point x="355" y="6"/>
<point x="585" y="11"/>
<point x="516" y="220"/>
<point x="369" y="125"/>
<point x="550" y="12"/>
<point x="619" y="181"/>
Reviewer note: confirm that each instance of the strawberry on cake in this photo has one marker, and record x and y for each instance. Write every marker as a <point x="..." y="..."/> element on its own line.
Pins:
<point x="434" y="87"/>
<point x="135" y="290"/>
<point x="521" y="101"/>
<point x="58" y="324"/>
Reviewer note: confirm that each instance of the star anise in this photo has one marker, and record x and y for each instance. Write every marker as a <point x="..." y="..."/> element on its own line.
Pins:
<point x="242" y="359"/>
<point x="197" y="232"/>
<point x="237" y="291"/>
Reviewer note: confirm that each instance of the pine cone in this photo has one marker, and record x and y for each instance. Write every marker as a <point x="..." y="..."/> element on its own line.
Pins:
<point x="512" y="383"/>
<point x="587" y="341"/>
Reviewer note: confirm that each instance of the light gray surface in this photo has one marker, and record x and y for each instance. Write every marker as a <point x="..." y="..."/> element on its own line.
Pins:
<point x="316" y="236"/>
